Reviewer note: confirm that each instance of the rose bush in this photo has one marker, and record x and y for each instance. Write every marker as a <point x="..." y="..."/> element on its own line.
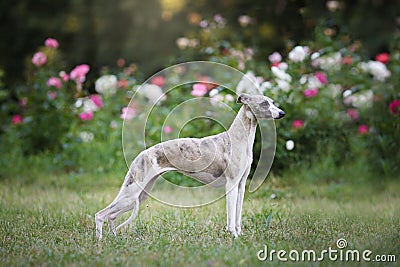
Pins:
<point x="340" y="105"/>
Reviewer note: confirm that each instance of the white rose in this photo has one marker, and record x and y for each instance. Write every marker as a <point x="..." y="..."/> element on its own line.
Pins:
<point x="213" y="92"/>
<point x="182" y="42"/>
<point x="315" y="55"/>
<point x="106" y="84"/>
<point x="289" y="145"/>
<point x="378" y="70"/>
<point x="347" y="93"/>
<point x="217" y="100"/>
<point x="362" y="99"/>
<point x="363" y="66"/>
<point x="229" y="98"/>
<point x="152" y="92"/>
<point x="303" y="79"/>
<point x="313" y="82"/>
<point x="283" y="85"/>
<point x="275" y="57"/>
<point x="89" y="105"/>
<point x="334" y="90"/>
<point x="298" y="53"/>
<point x="332" y="61"/>
<point x="281" y="74"/>
<point x="244" y="20"/>
<point x="283" y="66"/>
<point x="265" y="85"/>
<point x="86" y="136"/>
<point x="248" y="84"/>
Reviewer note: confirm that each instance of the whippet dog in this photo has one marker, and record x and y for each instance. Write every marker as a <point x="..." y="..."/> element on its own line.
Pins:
<point x="219" y="160"/>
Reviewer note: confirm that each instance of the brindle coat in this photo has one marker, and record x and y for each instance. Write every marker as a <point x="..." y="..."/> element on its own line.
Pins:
<point x="219" y="160"/>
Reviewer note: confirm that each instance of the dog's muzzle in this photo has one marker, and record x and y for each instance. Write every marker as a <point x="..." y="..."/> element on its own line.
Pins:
<point x="281" y="114"/>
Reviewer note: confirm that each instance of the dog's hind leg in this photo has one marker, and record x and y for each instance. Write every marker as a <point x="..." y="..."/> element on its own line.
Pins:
<point x="142" y="197"/>
<point x="135" y="212"/>
<point x="124" y="202"/>
<point x="112" y="226"/>
<point x="107" y="214"/>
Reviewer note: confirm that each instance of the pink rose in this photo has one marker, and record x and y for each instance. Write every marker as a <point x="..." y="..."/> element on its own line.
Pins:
<point x="298" y="124"/>
<point x="16" y="119"/>
<point x="275" y="58"/>
<point x="64" y="76"/>
<point x="55" y="82"/>
<point x="167" y="129"/>
<point x="51" y="42"/>
<point x="207" y="82"/>
<point x="347" y="60"/>
<point x="86" y="116"/>
<point x="52" y="95"/>
<point x="199" y="89"/>
<point x="158" y="80"/>
<point x="97" y="100"/>
<point x="353" y="114"/>
<point x="128" y="113"/>
<point x="123" y="83"/>
<point x="78" y="74"/>
<point x="363" y="129"/>
<point x="321" y="77"/>
<point x="39" y="59"/>
<point x="203" y="24"/>
<point x="311" y="92"/>
<point x="121" y="62"/>
<point x="24" y="102"/>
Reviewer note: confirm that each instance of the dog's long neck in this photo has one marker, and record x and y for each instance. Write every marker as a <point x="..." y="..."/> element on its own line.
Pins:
<point x="244" y="125"/>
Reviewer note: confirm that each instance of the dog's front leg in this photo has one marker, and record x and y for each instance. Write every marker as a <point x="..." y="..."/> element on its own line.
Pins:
<point x="239" y="204"/>
<point x="231" y="189"/>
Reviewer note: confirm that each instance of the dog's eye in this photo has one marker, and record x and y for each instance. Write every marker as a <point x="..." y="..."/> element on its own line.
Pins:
<point x="266" y="103"/>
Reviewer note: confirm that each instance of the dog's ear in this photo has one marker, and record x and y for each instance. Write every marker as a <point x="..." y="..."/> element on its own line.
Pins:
<point x="242" y="99"/>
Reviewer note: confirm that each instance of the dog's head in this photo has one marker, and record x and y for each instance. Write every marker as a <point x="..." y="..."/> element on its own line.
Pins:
<point x="261" y="106"/>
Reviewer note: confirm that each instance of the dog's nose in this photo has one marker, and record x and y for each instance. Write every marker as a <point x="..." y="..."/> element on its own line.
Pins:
<point x="282" y="114"/>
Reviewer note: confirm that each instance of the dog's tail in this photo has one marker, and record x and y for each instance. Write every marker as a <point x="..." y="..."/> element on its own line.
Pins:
<point x="135" y="212"/>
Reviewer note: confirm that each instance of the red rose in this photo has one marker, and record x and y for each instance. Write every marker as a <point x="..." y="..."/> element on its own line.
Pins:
<point x="363" y="129"/>
<point x="298" y="124"/>
<point x="348" y="60"/>
<point x="158" y="80"/>
<point x="383" y="57"/>
<point x="353" y="114"/>
<point x="17" y="119"/>
<point x="395" y="107"/>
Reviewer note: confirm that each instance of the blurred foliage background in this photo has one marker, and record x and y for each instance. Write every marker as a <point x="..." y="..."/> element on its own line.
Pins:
<point x="74" y="124"/>
<point x="98" y="32"/>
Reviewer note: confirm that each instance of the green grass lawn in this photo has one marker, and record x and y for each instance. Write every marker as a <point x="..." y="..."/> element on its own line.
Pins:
<point x="50" y="222"/>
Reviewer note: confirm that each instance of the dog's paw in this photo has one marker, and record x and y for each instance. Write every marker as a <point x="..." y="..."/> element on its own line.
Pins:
<point x="99" y="235"/>
<point x="232" y="230"/>
<point x="239" y="230"/>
